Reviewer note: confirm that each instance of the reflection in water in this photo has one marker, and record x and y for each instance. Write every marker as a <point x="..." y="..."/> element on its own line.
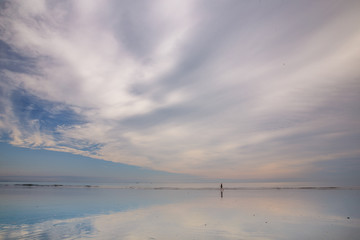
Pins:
<point x="248" y="214"/>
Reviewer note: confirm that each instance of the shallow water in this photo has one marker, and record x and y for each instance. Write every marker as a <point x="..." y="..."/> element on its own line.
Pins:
<point x="127" y="213"/>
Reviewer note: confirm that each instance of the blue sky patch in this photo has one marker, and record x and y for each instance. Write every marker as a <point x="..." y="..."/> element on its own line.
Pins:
<point x="49" y="115"/>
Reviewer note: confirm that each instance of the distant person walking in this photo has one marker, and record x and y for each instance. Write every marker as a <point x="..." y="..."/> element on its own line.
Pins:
<point x="221" y="190"/>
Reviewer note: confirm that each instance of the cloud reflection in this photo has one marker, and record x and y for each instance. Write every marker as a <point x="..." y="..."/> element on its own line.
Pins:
<point x="285" y="214"/>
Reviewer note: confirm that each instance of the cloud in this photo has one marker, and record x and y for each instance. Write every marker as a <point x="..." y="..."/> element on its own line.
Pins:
<point x="235" y="89"/>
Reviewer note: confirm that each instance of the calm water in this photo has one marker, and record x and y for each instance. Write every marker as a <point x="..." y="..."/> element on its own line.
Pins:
<point x="185" y="212"/>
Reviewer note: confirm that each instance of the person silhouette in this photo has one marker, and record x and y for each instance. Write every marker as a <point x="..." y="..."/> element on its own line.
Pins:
<point x="221" y="190"/>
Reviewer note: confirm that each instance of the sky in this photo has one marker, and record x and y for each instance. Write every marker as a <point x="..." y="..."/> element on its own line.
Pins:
<point x="247" y="90"/>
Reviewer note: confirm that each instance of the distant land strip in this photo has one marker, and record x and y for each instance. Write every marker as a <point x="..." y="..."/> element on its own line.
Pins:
<point x="46" y="185"/>
<point x="33" y="185"/>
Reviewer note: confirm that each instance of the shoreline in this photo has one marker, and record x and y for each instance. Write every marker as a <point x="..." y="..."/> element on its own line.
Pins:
<point x="134" y="187"/>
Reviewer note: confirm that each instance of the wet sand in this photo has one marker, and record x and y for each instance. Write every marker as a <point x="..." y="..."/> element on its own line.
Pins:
<point x="57" y="212"/>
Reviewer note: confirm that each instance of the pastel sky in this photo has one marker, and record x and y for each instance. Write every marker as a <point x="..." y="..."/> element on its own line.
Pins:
<point x="215" y="89"/>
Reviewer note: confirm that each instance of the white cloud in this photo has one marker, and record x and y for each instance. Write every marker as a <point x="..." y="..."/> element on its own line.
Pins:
<point x="184" y="87"/>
